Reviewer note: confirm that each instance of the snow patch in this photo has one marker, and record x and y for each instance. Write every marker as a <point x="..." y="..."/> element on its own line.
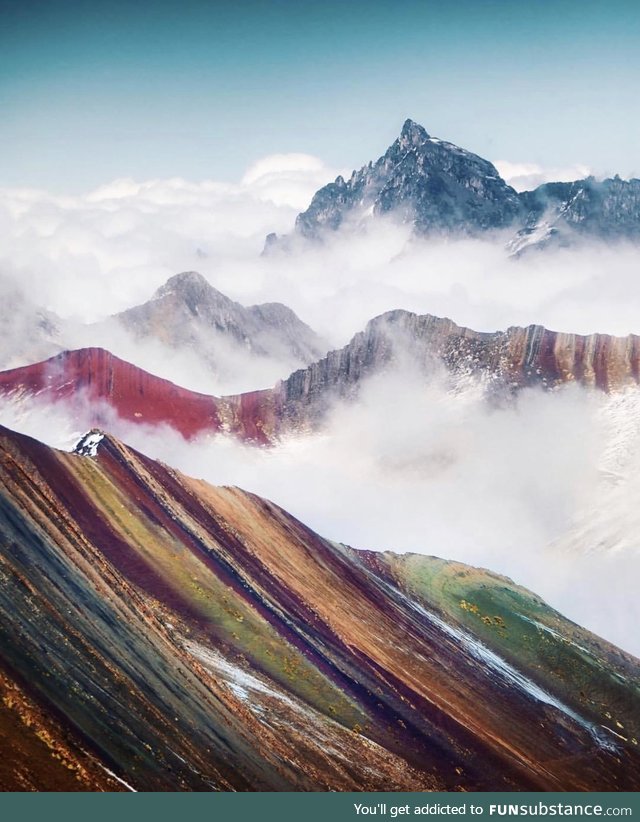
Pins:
<point x="240" y="682"/>
<point x="88" y="444"/>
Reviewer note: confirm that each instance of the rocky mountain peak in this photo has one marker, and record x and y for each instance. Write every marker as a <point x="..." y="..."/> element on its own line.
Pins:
<point x="441" y="189"/>
<point x="436" y="186"/>
<point x="413" y="134"/>
<point x="188" y="312"/>
<point x="192" y="289"/>
<point x="184" y="280"/>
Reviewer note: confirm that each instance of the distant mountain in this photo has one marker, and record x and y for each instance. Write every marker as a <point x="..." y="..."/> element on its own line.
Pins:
<point x="187" y="329"/>
<point x="188" y="312"/>
<point x="558" y="213"/>
<point x="506" y="360"/>
<point x="159" y="634"/>
<point x="443" y="190"/>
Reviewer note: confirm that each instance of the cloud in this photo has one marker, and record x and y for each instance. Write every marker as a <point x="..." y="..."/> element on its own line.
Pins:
<point x="519" y="489"/>
<point x="527" y="176"/>
<point x="288" y="179"/>
<point x="87" y="257"/>
<point x="91" y="255"/>
<point x="212" y="364"/>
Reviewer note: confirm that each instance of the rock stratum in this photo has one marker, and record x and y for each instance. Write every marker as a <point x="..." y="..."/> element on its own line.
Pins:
<point x="506" y="361"/>
<point x="157" y="633"/>
<point x="95" y="384"/>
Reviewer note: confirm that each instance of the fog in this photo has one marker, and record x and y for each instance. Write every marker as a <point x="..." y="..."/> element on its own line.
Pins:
<point x="213" y="364"/>
<point x="544" y="490"/>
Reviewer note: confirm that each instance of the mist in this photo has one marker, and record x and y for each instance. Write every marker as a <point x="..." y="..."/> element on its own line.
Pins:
<point x="543" y="490"/>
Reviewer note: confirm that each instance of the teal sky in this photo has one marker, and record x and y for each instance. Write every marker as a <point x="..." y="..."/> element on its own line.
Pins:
<point x="91" y="90"/>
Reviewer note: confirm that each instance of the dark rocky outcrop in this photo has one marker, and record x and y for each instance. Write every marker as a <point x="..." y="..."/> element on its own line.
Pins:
<point x="435" y="185"/>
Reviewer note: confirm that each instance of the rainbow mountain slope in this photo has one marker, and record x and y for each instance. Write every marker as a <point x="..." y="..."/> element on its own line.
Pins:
<point x="157" y="633"/>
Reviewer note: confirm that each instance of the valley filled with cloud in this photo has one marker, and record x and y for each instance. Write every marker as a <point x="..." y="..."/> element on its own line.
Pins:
<point x="413" y="465"/>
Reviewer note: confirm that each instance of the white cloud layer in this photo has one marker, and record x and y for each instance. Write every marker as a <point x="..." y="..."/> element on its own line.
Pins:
<point x="87" y="257"/>
<point x="287" y="179"/>
<point x="96" y="254"/>
<point x="527" y="176"/>
<point x="411" y="467"/>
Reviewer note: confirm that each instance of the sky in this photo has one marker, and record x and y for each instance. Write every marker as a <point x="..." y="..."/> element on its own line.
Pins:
<point x="93" y="91"/>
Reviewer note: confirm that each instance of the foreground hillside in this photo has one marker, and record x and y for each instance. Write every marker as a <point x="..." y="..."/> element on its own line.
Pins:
<point x="160" y="634"/>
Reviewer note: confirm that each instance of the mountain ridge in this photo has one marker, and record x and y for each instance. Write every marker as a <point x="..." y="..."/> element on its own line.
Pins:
<point x="96" y="384"/>
<point x="507" y="361"/>
<point x="185" y="321"/>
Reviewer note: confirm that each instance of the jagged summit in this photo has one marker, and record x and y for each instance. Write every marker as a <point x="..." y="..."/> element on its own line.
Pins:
<point x="195" y="292"/>
<point x="434" y="185"/>
<point x="413" y="132"/>
<point x="442" y="189"/>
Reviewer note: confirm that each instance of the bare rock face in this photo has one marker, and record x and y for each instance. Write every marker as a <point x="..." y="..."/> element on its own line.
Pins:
<point x="434" y="185"/>
<point x="507" y="360"/>
<point x="561" y="213"/>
